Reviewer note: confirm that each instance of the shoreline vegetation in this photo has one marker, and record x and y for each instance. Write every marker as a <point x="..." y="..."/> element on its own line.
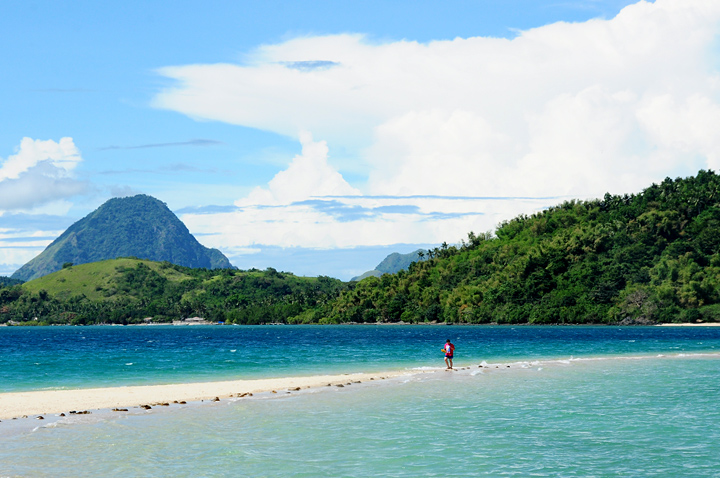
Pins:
<point x="640" y="259"/>
<point x="383" y="324"/>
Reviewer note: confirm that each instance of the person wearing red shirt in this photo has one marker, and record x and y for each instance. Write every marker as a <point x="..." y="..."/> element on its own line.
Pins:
<point x="449" y="349"/>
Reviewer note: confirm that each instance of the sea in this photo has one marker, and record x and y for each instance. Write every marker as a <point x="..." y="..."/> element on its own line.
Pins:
<point x="526" y="401"/>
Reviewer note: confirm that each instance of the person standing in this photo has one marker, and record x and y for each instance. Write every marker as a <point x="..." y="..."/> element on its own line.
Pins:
<point x="449" y="349"/>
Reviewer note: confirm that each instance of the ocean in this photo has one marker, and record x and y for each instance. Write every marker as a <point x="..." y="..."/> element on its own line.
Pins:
<point x="577" y="401"/>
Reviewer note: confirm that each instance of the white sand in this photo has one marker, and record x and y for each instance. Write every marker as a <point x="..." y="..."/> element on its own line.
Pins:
<point x="688" y="324"/>
<point x="46" y="402"/>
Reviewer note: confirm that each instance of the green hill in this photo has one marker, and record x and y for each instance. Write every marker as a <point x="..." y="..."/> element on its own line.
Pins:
<point x="645" y="258"/>
<point x="99" y="281"/>
<point x="139" y="226"/>
<point x="127" y="290"/>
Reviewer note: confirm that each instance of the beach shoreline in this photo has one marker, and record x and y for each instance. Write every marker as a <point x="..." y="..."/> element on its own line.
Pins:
<point x="50" y="402"/>
<point x="46" y="403"/>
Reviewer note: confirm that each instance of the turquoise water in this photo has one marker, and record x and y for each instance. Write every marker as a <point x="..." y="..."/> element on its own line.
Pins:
<point x="80" y="357"/>
<point x="630" y="402"/>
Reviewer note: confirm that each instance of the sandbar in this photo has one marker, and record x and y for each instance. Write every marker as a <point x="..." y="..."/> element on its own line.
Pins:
<point x="45" y="402"/>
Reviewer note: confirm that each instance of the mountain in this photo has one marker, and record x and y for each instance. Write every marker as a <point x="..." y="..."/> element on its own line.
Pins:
<point x="642" y="258"/>
<point x="393" y="263"/>
<point x="139" y="226"/>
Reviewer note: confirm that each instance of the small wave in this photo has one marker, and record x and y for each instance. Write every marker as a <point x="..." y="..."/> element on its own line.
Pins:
<point x="233" y="350"/>
<point x="129" y="363"/>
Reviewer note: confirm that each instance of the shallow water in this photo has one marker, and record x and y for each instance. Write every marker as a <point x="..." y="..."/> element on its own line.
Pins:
<point x="630" y="402"/>
<point x="80" y="357"/>
<point x="611" y="417"/>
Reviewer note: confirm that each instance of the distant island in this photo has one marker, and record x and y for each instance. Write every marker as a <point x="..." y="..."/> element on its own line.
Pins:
<point x="647" y="258"/>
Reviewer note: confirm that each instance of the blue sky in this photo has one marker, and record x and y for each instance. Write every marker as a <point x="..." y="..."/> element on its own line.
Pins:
<point x="317" y="137"/>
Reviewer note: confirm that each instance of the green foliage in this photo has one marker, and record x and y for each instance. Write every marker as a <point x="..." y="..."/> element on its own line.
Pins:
<point x="7" y="281"/>
<point x="651" y="257"/>
<point x="645" y="258"/>
<point x="128" y="290"/>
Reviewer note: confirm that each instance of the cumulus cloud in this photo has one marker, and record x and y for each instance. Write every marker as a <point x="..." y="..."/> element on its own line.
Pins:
<point x="563" y="110"/>
<point x="309" y="175"/>
<point x="39" y="173"/>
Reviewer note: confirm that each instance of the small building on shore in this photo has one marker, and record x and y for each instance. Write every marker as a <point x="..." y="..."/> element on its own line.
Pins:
<point x="192" y="321"/>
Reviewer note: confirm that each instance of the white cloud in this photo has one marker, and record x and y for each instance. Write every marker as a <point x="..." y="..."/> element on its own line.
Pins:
<point x="556" y="100"/>
<point x="561" y="110"/>
<point x="39" y="173"/>
<point x="62" y="155"/>
<point x="308" y="220"/>
<point x="309" y="175"/>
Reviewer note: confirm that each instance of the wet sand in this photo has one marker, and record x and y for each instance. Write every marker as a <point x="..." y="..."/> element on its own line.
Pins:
<point x="19" y="404"/>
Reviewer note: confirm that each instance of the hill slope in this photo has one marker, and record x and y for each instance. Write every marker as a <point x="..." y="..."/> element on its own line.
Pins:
<point x="128" y="290"/>
<point x="139" y="226"/>
<point x="645" y="258"/>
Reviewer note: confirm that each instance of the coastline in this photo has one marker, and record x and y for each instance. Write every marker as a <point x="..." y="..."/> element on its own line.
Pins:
<point x="48" y="402"/>
<point x="690" y="324"/>
<point x="40" y="404"/>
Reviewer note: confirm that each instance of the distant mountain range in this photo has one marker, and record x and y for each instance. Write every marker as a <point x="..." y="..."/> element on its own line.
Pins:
<point x="138" y="226"/>
<point x="393" y="263"/>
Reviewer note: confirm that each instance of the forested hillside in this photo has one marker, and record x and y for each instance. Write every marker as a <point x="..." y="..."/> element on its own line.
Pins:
<point x="7" y="281"/>
<point x="128" y="290"/>
<point x="633" y="259"/>
<point x="650" y="257"/>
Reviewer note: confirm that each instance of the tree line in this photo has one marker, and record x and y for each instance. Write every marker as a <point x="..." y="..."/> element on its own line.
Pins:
<point x="630" y="259"/>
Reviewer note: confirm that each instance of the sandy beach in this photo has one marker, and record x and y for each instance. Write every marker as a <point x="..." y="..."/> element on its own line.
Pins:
<point x="689" y="324"/>
<point x="18" y="404"/>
